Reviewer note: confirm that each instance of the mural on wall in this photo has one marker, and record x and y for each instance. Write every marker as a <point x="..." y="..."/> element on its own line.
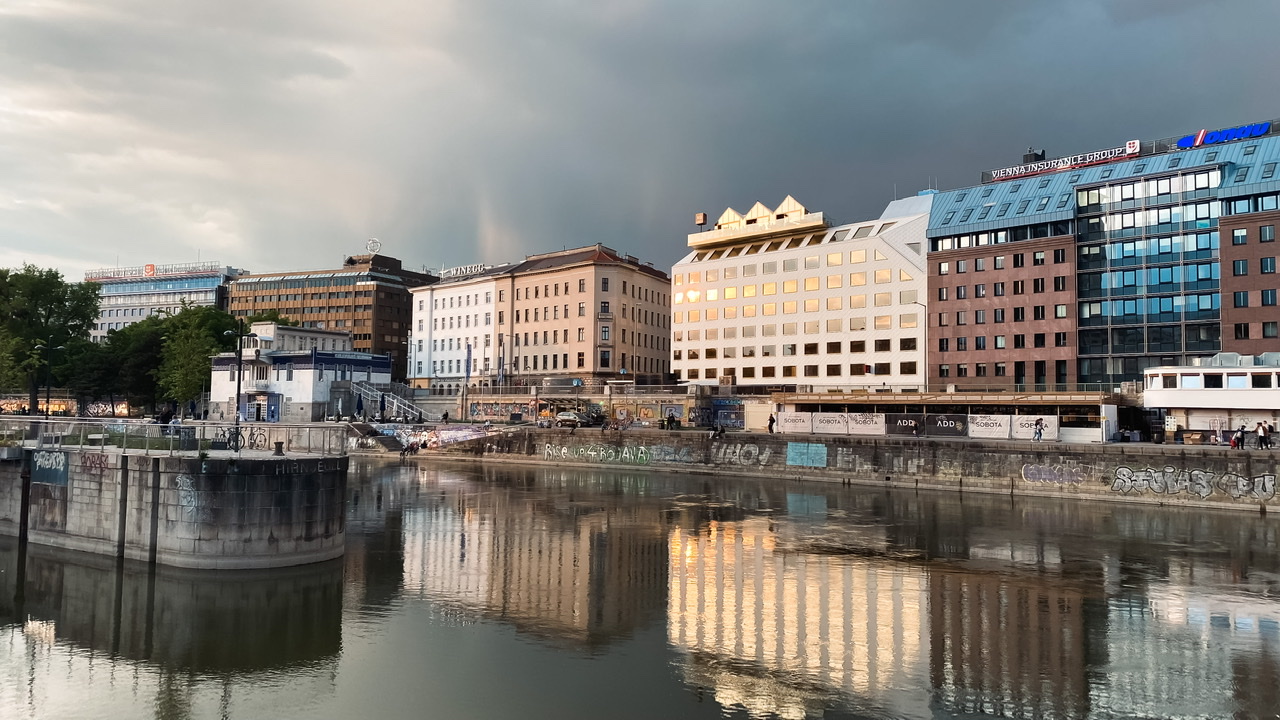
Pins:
<point x="806" y="454"/>
<point x="728" y="413"/>
<point x="676" y="410"/>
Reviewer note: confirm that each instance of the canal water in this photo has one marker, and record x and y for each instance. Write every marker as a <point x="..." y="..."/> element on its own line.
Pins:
<point x="508" y="592"/>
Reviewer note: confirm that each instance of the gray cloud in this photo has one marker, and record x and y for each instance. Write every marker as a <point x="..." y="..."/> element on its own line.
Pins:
<point x="280" y="135"/>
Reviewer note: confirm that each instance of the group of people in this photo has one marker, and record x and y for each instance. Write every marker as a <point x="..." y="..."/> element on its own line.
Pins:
<point x="1264" y="431"/>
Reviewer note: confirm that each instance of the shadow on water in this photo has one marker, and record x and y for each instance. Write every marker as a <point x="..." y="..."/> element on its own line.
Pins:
<point x="213" y="622"/>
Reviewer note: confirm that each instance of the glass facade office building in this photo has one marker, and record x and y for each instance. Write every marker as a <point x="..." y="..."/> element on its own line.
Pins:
<point x="1170" y="243"/>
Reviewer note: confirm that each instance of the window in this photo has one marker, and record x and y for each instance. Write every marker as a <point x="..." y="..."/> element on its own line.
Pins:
<point x="944" y="371"/>
<point x="1037" y="285"/>
<point x="999" y="289"/>
<point x="1242" y="331"/>
<point x="1059" y="256"/>
<point x="980" y="342"/>
<point x="1267" y="233"/>
<point x="1240" y="268"/>
<point x="1268" y="298"/>
<point x="944" y="268"/>
<point x="1019" y="341"/>
<point x="1060" y="339"/>
<point x="1239" y="236"/>
<point x="883" y="345"/>
<point x="942" y="293"/>
<point x="1019" y="287"/>
<point x="1019" y="314"/>
<point x="1240" y="298"/>
<point x="1018" y="260"/>
<point x="1037" y="258"/>
<point x="944" y="344"/>
<point x="1059" y="283"/>
<point x="1038" y="340"/>
<point x="962" y="344"/>
<point x="962" y="292"/>
<point x="1269" y="329"/>
<point x="1037" y="312"/>
<point x="857" y="346"/>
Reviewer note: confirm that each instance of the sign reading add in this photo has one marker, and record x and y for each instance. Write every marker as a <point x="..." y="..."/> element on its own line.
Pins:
<point x="1244" y="132"/>
<point x="1129" y="149"/>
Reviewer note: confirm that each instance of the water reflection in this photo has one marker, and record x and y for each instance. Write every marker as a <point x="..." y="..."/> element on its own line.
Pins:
<point x="78" y="611"/>
<point x="687" y="596"/>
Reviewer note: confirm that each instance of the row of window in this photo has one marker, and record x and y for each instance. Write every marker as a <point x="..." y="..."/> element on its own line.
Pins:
<point x="1266" y="266"/>
<point x="998" y="261"/>
<point x="789" y="371"/>
<point x="1038" y="312"/>
<point x="1269" y="330"/>
<point x="831" y="325"/>
<point x="809" y="284"/>
<point x="1000" y="342"/>
<point x="1001" y="370"/>
<point x="961" y="292"/>
<point x="1266" y="298"/>
<point x="812" y="262"/>
<point x="1102" y="341"/>
<point x="835" y="347"/>
<point x="549" y="362"/>
<point x="1266" y="233"/>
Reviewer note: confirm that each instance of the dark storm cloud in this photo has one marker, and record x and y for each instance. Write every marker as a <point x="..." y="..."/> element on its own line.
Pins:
<point x="279" y="135"/>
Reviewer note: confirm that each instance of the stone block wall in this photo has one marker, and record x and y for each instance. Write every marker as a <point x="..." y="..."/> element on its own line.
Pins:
<point x="182" y="512"/>
<point x="1159" y="474"/>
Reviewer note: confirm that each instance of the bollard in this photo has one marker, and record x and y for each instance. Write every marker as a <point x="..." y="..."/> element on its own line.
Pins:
<point x="279" y="449"/>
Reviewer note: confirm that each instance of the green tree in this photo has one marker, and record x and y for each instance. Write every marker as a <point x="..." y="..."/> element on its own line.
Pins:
<point x="38" y="307"/>
<point x="136" y="352"/>
<point x="191" y="337"/>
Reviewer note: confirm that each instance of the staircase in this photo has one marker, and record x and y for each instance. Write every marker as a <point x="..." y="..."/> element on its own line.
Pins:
<point x="397" y="405"/>
<point x="372" y="440"/>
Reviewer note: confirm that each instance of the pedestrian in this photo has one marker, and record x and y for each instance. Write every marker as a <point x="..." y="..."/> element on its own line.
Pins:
<point x="1039" y="430"/>
<point x="915" y="429"/>
<point x="712" y="434"/>
<point x="1261" y="430"/>
<point x="771" y="422"/>
<point x="1237" y="440"/>
<point x="445" y="417"/>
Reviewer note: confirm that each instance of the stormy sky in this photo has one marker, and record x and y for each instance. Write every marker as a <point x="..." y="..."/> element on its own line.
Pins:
<point x="280" y="134"/>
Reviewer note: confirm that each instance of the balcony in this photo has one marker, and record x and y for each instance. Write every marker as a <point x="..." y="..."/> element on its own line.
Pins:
<point x="604" y="316"/>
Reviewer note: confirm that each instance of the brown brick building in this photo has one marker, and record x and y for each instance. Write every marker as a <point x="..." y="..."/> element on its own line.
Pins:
<point x="1003" y="315"/>
<point x="368" y="296"/>
<point x="1248" y="251"/>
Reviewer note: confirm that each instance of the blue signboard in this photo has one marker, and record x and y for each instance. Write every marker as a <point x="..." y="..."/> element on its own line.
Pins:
<point x="49" y="467"/>
<point x="1204" y="137"/>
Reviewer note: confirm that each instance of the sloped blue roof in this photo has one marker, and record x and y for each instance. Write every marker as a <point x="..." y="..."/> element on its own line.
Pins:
<point x="1050" y="197"/>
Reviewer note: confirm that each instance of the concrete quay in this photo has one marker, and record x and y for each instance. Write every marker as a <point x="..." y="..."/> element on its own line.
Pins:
<point x="1196" y="476"/>
<point x="214" y="509"/>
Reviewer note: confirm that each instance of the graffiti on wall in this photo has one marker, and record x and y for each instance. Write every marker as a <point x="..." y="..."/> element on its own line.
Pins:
<point x="189" y="500"/>
<point x="1198" y="483"/>
<point x="741" y="454"/>
<point x="1052" y="474"/>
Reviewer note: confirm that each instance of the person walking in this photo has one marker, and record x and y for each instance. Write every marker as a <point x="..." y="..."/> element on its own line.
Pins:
<point x="1263" y="439"/>
<point x="671" y="420"/>
<point x="445" y="417"/>
<point x="1237" y="440"/>
<point x="1039" y="430"/>
<point x="771" y="422"/>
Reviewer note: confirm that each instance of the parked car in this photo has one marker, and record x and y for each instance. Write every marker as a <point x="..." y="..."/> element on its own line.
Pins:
<point x="568" y="419"/>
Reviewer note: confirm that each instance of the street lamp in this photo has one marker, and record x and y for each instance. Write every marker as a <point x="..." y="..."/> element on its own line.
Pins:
<point x="240" y="335"/>
<point x="48" y="373"/>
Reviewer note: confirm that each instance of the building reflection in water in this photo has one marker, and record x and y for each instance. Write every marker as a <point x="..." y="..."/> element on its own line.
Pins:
<point x="180" y="635"/>
<point x="578" y="560"/>
<point x="905" y="606"/>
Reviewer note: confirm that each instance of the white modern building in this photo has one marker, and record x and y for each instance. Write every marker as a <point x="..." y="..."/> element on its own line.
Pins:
<point x="130" y="294"/>
<point x="1221" y="394"/>
<point x="289" y="374"/>
<point x="780" y="297"/>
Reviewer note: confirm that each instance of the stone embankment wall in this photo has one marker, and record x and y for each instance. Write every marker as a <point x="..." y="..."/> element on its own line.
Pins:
<point x="180" y="511"/>
<point x="1158" y="474"/>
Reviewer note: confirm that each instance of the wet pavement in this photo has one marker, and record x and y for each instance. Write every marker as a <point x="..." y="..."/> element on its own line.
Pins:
<point x="473" y="591"/>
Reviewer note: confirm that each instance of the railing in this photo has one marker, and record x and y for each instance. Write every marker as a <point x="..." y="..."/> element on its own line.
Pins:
<point x="147" y="438"/>
<point x="373" y="397"/>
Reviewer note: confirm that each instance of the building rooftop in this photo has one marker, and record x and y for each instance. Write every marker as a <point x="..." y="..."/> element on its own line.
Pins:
<point x="1249" y="167"/>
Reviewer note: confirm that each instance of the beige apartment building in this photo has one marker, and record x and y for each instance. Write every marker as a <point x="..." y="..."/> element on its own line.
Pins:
<point x="580" y="316"/>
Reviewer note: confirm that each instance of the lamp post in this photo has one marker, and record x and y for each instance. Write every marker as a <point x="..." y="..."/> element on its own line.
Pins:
<point x="48" y="373"/>
<point x="240" y="335"/>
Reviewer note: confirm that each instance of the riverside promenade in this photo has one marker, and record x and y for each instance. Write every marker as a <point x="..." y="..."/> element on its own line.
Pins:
<point x="1184" y="475"/>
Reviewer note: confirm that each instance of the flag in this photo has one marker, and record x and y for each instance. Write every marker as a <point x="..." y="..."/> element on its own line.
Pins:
<point x="468" y="368"/>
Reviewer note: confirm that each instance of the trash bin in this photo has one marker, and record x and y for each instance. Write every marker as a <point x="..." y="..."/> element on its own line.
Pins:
<point x="187" y="439"/>
<point x="1157" y="436"/>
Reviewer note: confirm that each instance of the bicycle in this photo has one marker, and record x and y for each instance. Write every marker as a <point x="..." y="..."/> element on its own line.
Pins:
<point x="234" y="438"/>
<point x="257" y="439"/>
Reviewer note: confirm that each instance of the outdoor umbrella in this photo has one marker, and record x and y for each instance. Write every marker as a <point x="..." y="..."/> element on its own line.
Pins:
<point x="382" y="406"/>
<point x="359" y="405"/>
